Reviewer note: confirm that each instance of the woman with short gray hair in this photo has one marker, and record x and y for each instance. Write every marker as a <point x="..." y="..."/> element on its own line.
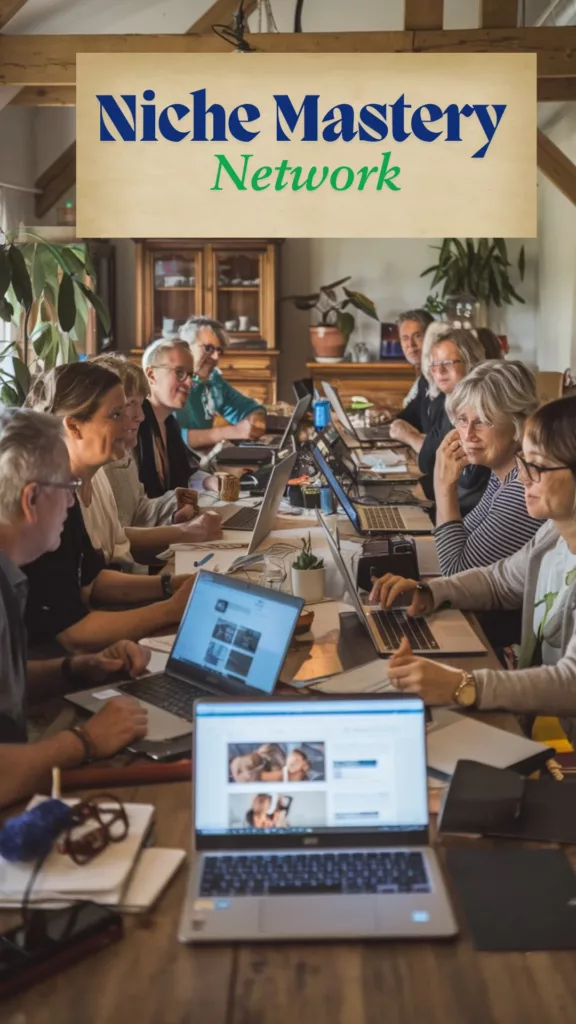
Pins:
<point x="488" y="410"/>
<point x="211" y="393"/>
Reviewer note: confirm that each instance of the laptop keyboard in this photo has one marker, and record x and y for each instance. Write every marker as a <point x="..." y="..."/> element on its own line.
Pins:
<point x="166" y="693"/>
<point x="382" y="517"/>
<point x="314" y="874"/>
<point x="243" y="519"/>
<point x="393" y="625"/>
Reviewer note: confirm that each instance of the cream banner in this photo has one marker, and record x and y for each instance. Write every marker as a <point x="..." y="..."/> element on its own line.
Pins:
<point x="306" y="145"/>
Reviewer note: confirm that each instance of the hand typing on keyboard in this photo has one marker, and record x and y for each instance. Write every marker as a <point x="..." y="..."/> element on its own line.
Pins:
<point x="433" y="681"/>
<point x="387" y="588"/>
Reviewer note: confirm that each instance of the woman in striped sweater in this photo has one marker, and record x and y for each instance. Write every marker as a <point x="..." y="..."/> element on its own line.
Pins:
<point x="488" y="409"/>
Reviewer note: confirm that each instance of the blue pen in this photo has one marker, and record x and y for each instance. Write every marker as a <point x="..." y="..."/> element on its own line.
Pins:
<point x="204" y="560"/>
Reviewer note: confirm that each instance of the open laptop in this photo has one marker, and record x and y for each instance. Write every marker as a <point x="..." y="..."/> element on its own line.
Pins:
<point x="442" y="632"/>
<point x="364" y="435"/>
<point x="232" y="640"/>
<point x="346" y="462"/>
<point x="250" y="451"/>
<point x="371" y="519"/>
<point x="261" y="520"/>
<point x="310" y="821"/>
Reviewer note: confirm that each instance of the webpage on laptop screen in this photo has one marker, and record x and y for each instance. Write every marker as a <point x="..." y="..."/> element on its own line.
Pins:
<point x="352" y="766"/>
<point x="235" y="633"/>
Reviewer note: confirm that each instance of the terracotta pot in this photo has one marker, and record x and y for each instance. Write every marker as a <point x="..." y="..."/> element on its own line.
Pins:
<point x="327" y="342"/>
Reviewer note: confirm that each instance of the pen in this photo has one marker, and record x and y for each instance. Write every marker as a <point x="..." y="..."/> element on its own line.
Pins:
<point x="204" y="560"/>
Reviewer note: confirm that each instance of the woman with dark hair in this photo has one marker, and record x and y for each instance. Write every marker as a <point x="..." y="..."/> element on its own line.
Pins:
<point x="67" y="585"/>
<point x="540" y="579"/>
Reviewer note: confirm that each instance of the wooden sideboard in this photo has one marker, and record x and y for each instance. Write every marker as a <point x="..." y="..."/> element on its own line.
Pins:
<point x="384" y="383"/>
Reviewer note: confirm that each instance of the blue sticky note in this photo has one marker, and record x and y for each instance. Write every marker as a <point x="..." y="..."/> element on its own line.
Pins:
<point x="222" y="904"/>
<point x="420" y="916"/>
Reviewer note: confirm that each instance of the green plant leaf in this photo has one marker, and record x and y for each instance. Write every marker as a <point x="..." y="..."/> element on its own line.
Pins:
<point x="44" y="272"/>
<point x="345" y="323"/>
<point x="20" y="277"/>
<point x="6" y="310"/>
<point x="89" y="265"/>
<point x="362" y="302"/>
<point x="5" y="272"/>
<point x="9" y="395"/>
<point x="335" y="284"/>
<point x="41" y="338"/>
<point x="95" y="300"/>
<point x="21" y="375"/>
<point x="522" y="262"/>
<point x="66" y="303"/>
<point x="70" y="258"/>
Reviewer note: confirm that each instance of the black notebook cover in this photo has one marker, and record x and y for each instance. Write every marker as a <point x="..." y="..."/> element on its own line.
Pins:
<point x="516" y="899"/>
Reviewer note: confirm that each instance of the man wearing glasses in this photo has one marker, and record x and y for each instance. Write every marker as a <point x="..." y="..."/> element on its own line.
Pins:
<point x="211" y="394"/>
<point x="37" y="491"/>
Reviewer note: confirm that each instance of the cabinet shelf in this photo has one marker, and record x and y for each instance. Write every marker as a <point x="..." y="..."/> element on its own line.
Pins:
<point x="175" y="288"/>
<point x="238" y="287"/>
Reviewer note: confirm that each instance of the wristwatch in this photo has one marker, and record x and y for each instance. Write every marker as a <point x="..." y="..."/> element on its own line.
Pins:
<point x="166" y="584"/>
<point x="466" y="692"/>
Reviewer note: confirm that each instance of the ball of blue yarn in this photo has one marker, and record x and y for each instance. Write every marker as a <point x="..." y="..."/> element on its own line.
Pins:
<point x="31" y="834"/>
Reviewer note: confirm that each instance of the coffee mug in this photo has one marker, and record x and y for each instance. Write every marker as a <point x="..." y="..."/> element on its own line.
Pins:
<point x="244" y="323"/>
<point x="231" y="325"/>
<point x="228" y="487"/>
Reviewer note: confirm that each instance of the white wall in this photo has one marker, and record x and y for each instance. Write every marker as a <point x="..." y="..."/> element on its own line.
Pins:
<point x="556" y="321"/>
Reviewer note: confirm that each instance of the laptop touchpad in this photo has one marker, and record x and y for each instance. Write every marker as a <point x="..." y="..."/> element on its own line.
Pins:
<point x="309" y="916"/>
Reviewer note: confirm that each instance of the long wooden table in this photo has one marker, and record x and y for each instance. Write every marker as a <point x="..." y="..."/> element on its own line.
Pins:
<point x="150" y="978"/>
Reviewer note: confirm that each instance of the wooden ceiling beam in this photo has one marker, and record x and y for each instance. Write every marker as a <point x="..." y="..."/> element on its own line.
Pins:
<point x="56" y="180"/>
<point x="557" y="167"/>
<point x="423" y="14"/>
<point x="45" y="96"/>
<point x="51" y="60"/>
<point x="220" y="13"/>
<point x="498" y="13"/>
<point x="8" y="8"/>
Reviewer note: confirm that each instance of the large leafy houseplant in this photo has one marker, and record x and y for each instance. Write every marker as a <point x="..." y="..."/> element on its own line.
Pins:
<point x="46" y="290"/>
<point x="477" y="267"/>
<point x="332" y="303"/>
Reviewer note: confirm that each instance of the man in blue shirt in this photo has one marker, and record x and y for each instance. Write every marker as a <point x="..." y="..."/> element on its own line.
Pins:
<point x="211" y="394"/>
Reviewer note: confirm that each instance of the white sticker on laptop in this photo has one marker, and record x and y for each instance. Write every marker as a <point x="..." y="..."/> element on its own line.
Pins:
<point x="106" y="694"/>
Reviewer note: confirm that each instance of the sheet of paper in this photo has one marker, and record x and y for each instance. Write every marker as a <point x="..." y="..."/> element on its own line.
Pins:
<point x="428" y="563"/>
<point x="465" y="738"/>
<point x="385" y="457"/>
<point x="370" y="678"/>
<point x="163" y="644"/>
<point x="220" y="561"/>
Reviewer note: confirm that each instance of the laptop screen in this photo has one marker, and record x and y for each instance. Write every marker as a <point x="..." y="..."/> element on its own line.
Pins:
<point x="300" y="410"/>
<point x="236" y="630"/>
<point x="345" y="766"/>
<point x="334" y="483"/>
<point x="337" y="407"/>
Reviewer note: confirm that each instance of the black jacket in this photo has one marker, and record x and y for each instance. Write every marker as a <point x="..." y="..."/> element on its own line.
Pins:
<point x="418" y="411"/>
<point x="181" y="461"/>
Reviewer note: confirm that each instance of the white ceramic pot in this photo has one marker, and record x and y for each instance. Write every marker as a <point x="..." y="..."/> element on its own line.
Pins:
<point x="308" y="584"/>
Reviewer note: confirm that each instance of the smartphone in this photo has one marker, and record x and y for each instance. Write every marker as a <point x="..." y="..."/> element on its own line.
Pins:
<point x="52" y="940"/>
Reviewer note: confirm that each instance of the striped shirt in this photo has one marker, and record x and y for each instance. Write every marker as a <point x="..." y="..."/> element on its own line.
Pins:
<point x="497" y="527"/>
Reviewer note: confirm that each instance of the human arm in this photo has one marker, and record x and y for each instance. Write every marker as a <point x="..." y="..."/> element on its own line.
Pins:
<point x="402" y="431"/>
<point x="120" y="588"/>
<point x="47" y="679"/>
<point x="151" y="542"/>
<point x="450" y="461"/>
<point x="24" y="767"/>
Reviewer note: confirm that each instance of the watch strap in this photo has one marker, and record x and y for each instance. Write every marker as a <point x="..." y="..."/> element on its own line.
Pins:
<point x="166" y="584"/>
<point x="90" y="752"/>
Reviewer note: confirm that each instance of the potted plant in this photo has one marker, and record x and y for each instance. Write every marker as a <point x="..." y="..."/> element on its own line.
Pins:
<point x="46" y="291"/>
<point x="308" y="574"/>
<point x="473" y="271"/>
<point x="331" y="302"/>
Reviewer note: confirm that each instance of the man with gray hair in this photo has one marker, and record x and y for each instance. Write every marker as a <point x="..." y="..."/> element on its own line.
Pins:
<point x="211" y="394"/>
<point x="37" y="491"/>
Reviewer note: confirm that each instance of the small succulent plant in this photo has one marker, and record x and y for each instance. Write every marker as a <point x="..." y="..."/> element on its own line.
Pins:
<point x="306" y="560"/>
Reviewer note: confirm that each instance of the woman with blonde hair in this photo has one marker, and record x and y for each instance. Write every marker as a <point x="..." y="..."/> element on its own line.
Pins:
<point x="413" y="423"/>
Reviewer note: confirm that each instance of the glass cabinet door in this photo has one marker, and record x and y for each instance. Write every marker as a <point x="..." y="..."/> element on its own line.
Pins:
<point x="176" y="290"/>
<point x="237" y="284"/>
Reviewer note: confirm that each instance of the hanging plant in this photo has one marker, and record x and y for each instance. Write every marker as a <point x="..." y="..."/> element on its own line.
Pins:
<point x="45" y="294"/>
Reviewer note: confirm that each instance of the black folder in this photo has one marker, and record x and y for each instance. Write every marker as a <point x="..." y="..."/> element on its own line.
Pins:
<point x="500" y="802"/>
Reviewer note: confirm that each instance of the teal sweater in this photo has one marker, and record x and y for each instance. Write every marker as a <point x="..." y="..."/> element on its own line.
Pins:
<point x="208" y="397"/>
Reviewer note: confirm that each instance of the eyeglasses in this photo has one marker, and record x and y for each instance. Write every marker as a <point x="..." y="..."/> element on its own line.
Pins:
<point x="463" y="424"/>
<point x="73" y="486"/>
<point x="531" y="471"/>
<point x="179" y="372"/>
<point x="111" y="826"/>
<point x="211" y="349"/>
<point x="446" y="363"/>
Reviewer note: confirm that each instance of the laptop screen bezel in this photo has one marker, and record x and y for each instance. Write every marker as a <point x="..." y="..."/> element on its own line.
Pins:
<point x="334" y="398"/>
<point x="188" y="671"/>
<point x="337" y="488"/>
<point x="312" y="840"/>
<point x="298" y="414"/>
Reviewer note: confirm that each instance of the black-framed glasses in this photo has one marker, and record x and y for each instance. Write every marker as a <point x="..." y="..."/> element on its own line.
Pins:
<point x="531" y="471"/>
<point x="73" y="486"/>
<point x="179" y="372"/>
<point x="211" y="349"/>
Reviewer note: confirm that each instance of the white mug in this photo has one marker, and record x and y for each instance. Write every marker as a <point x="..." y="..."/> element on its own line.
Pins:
<point x="231" y="325"/>
<point x="244" y="323"/>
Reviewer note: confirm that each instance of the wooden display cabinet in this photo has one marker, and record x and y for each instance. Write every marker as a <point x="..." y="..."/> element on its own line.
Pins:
<point x="384" y="383"/>
<point x="231" y="280"/>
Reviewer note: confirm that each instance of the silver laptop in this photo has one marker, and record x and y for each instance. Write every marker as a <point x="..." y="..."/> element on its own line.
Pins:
<point x="442" y="632"/>
<point x="263" y="449"/>
<point x="261" y="520"/>
<point x="232" y="639"/>
<point x="370" y="519"/>
<point x="364" y="435"/>
<point x="310" y="821"/>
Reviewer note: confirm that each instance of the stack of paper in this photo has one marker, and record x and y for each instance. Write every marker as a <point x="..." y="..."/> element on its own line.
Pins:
<point x="122" y="875"/>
